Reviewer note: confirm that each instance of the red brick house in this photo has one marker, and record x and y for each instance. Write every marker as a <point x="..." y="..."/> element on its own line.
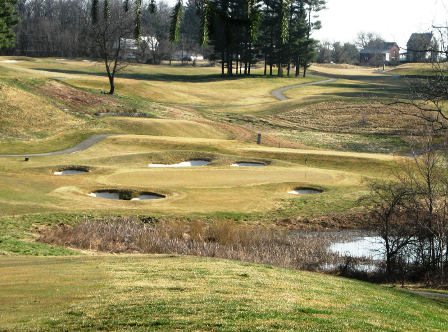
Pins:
<point x="387" y="53"/>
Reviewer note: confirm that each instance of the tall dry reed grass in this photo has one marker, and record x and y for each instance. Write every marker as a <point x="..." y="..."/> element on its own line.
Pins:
<point x="228" y="240"/>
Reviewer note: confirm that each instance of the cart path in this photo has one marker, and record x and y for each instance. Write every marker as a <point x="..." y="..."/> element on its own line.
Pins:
<point x="445" y="296"/>
<point x="418" y="152"/>
<point x="278" y="93"/>
<point x="87" y="143"/>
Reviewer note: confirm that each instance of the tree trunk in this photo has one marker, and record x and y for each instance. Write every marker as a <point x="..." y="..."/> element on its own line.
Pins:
<point x="250" y="58"/>
<point x="222" y="63"/>
<point x="112" y="85"/>
<point x="229" y="61"/>
<point x="297" y="67"/>
<point x="265" y="62"/>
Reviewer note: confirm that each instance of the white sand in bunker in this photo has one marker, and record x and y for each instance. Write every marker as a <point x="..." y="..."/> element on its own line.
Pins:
<point x="70" y="172"/>
<point x="113" y="195"/>
<point x="305" y="191"/>
<point x="211" y="177"/>
<point x="189" y="163"/>
<point x="105" y="194"/>
<point x="248" y="164"/>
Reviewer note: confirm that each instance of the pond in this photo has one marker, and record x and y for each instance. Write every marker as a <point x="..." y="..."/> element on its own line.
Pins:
<point x="367" y="246"/>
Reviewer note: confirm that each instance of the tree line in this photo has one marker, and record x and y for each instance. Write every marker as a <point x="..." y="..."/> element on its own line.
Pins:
<point x="236" y="32"/>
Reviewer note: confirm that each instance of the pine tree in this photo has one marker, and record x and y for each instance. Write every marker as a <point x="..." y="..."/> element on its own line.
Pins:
<point x="7" y="21"/>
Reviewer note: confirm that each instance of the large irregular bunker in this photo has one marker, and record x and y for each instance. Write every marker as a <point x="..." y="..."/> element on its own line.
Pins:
<point x="125" y="195"/>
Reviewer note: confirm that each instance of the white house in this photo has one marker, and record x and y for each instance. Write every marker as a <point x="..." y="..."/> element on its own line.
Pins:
<point x="179" y="55"/>
<point x="130" y="46"/>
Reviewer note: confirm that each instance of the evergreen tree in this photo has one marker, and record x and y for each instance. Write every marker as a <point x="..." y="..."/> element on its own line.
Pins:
<point x="7" y="21"/>
<point x="232" y="26"/>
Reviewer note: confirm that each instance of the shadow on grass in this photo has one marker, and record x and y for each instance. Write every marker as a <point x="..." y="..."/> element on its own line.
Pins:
<point x="189" y="78"/>
<point x="387" y="88"/>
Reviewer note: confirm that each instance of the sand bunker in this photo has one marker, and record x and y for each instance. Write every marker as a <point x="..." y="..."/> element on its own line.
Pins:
<point x="70" y="172"/>
<point x="105" y="194"/>
<point x="147" y="196"/>
<point x="183" y="164"/>
<point x="116" y="195"/>
<point x="248" y="164"/>
<point x="305" y="191"/>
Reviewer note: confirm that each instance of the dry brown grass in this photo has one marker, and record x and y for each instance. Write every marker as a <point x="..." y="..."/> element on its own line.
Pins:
<point x="256" y="244"/>
<point x="26" y="115"/>
<point x="348" y="117"/>
<point x="73" y="96"/>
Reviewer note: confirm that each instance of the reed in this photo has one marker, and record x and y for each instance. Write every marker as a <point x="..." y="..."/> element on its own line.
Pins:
<point x="263" y="245"/>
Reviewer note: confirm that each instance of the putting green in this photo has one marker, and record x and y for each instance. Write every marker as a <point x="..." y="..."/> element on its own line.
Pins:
<point x="208" y="177"/>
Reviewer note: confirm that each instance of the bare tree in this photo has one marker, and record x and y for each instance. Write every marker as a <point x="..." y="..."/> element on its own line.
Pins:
<point x="428" y="91"/>
<point x="411" y="212"/>
<point x="110" y="34"/>
<point x="369" y="40"/>
<point x="389" y="205"/>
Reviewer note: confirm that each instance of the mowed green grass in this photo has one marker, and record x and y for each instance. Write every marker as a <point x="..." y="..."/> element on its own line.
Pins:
<point x="121" y="162"/>
<point x="169" y="292"/>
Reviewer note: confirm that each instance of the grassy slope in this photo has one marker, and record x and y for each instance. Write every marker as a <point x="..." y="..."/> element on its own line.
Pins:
<point x="31" y="187"/>
<point x="165" y="293"/>
<point x="185" y="85"/>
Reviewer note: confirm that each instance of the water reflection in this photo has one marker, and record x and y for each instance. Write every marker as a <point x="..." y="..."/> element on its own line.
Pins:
<point x="368" y="247"/>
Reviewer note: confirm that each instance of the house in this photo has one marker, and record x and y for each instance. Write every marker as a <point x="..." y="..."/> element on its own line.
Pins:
<point x="186" y="56"/>
<point x="421" y="47"/>
<point x="131" y="48"/>
<point x="386" y="53"/>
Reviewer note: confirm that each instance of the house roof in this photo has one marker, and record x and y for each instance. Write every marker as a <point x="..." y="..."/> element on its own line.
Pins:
<point x="420" y="41"/>
<point x="420" y="38"/>
<point x="386" y="48"/>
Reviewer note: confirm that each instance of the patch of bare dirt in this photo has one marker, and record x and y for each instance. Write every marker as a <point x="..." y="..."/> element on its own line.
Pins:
<point x="73" y="96"/>
<point x="344" y="117"/>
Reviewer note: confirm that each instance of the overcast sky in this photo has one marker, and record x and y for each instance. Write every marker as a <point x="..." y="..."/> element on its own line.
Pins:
<point x="393" y="20"/>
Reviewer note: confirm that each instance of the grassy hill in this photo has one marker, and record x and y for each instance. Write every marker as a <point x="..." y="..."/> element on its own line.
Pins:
<point x="329" y="137"/>
<point x="168" y="292"/>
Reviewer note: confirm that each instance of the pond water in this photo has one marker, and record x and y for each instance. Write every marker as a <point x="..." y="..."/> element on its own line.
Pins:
<point x="368" y="246"/>
<point x="69" y="172"/>
<point x="189" y="163"/>
<point x="248" y="164"/>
